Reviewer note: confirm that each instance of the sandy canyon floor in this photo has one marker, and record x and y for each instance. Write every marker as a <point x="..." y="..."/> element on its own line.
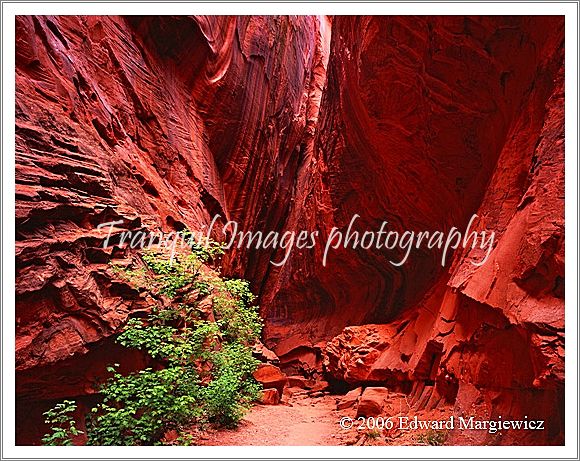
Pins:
<point x="309" y="421"/>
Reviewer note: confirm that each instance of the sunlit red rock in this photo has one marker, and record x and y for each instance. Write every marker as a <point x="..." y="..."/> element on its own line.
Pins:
<point x="350" y="399"/>
<point x="372" y="401"/>
<point x="270" y="397"/>
<point x="270" y="376"/>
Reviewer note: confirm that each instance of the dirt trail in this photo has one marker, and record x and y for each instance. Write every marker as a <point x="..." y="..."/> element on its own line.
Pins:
<point x="305" y="421"/>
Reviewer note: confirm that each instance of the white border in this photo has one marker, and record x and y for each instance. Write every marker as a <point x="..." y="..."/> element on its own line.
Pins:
<point x="568" y="9"/>
<point x="300" y="8"/>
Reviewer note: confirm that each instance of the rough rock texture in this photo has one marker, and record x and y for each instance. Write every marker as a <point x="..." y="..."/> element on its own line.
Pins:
<point x="270" y="376"/>
<point x="160" y="122"/>
<point x="350" y="356"/>
<point x="372" y="401"/>
<point x="417" y="111"/>
<point x="297" y="124"/>
<point x="489" y="339"/>
<point x="270" y="397"/>
<point x="350" y="399"/>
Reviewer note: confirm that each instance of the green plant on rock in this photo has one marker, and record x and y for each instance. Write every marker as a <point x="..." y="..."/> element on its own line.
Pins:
<point x="62" y="424"/>
<point x="207" y="251"/>
<point x="203" y="369"/>
<point x="237" y="316"/>
<point x="203" y="288"/>
<point x="184" y="439"/>
<point x="374" y="434"/>
<point x="137" y="276"/>
<point x="173" y="274"/>
<point x="141" y="407"/>
<point x="433" y="437"/>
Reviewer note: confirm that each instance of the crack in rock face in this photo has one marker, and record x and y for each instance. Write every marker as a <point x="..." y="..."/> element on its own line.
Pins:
<point x="293" y="124"/>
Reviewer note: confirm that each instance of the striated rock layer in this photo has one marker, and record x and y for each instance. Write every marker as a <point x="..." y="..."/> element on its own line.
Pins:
<point x="489" y="339"/>
<point x="290" y="124"/>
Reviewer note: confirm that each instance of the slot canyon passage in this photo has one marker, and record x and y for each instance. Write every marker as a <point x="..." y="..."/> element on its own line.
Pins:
<point x="289" y="124"/>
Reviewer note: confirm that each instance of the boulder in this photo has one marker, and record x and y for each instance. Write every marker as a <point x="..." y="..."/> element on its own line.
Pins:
<point x="350" y="356"/>
<point x="270" y="397"/>
<point x="372" y="401"/>
<point x="264" y="354"/>
<point x="270" y="376"/>
<point x="320" y="385"/>
<point x="349" y="399"/>
<point x="286" y="396"/>
<point x="299" y="381"/>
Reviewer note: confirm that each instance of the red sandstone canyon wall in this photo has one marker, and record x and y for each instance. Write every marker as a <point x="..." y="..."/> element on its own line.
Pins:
<point x="298" y="123"/>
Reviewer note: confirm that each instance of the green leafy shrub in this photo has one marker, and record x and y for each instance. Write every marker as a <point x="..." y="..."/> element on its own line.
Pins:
<point x="204" y="288"/>
<point x="207" y="251"/>
<point x="173" y="273"/>
<point x="238" y="318"/>
<point x="204" y="371"/>
<point x="139" y="408"/>
<point x="232" y="390"/>
<point x="137" y="276"/>
<point x="62" y="425"/>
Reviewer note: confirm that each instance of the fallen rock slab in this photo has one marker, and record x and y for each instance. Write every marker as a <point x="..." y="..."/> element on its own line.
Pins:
<point x="270" y="397"/>
<point x="270" y="376"/>
<point x="349" y="399"/>
<point x="299" y="381"/>
<point x="372" y="401"/>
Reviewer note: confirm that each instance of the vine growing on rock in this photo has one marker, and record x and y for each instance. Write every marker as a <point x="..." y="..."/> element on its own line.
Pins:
<point x="199" y="336"/>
